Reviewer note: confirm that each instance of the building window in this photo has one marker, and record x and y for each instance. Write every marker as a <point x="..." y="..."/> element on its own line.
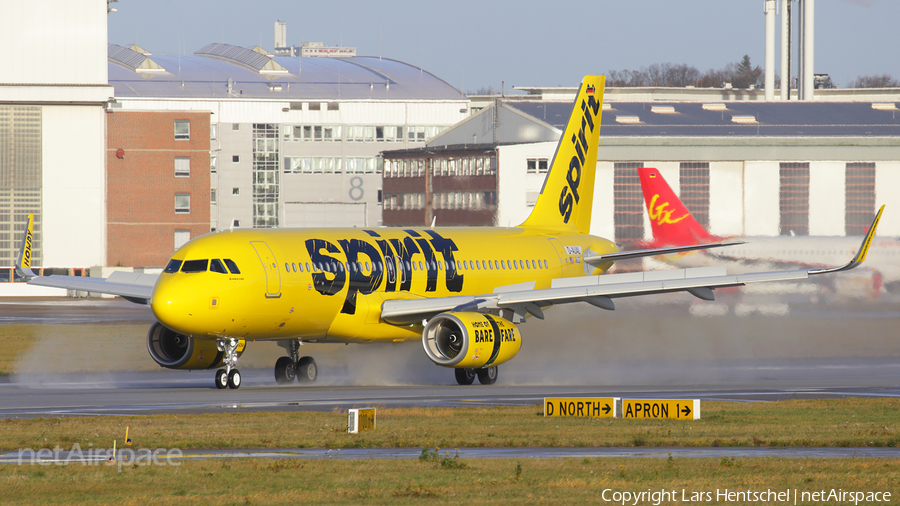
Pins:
<point x="236" y="158"/>
<point x="182" y="130"/>
<point x="236" y="223"/>
<point x="534" y="166"/>
<point x="182" y="203"/>
<point x="235" y="191"/>
<point x="181" y="238"/>
<point x="859" y="188"/>
<point x="235" y="126"/>
<point x="315" y="106"/>
<point x="793" y="198"/>
<point x="212" y="195"/>
<point x="212" y="163"/>
<point x="182" y="166"/>
<point x="361" y="165"/>
<point x="213" y="129"/>
<point x="333" y="106"/>
<point x="313" y="165"/>
<point x="415" y="133"/>
<point x="694" y="180"/>
<point x="628" y="202"/>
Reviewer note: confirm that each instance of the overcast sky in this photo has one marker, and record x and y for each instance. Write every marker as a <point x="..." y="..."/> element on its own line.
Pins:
<point x="473" y="44"/>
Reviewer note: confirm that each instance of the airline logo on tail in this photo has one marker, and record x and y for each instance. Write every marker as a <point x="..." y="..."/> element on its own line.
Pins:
<point x="589" y="108"/>
<point x="670" y="220"/>
<point x="660" y="214"/>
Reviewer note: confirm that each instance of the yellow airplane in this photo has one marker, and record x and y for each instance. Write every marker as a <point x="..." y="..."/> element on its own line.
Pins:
<point x="462" y="291"/>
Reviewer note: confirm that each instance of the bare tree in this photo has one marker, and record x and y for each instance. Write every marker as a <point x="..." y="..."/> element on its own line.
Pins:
<point x="740" y="75"/>
<point x="874" y="81"/>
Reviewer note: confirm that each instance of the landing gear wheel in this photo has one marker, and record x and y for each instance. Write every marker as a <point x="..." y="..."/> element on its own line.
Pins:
<point x="487" y="376"/>
<point x="221" y="379"/>
<point x="234" y="379"/>
<point x="284" y="371"/>
<point x="306" y="370"/>
<point x="465" y="376"/>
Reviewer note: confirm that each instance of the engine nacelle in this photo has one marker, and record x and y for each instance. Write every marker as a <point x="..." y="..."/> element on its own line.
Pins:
<point x="178" y="351"/>
<point x="470" y="340"/>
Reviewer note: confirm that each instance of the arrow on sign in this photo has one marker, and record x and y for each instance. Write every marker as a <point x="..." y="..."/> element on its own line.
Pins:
<point x="606" y="409"/>
<point x="686" y="411"/>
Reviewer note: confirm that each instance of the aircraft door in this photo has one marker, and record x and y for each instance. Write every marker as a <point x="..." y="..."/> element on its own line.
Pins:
<point x="558" y="248"/>
<point x="270" y="266"/>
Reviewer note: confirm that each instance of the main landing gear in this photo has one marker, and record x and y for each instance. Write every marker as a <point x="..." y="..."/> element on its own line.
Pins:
<point x="228" y="377"/>
<point x="487" y="376"/>
<point x="294" y="366"/>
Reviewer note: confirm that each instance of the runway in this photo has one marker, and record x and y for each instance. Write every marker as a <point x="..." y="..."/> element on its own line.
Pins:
<point x="185" y="392"/>
<point x="640" y="350"/>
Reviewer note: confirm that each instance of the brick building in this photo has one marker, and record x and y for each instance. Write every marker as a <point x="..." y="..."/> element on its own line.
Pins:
<point x="158" y="184"/>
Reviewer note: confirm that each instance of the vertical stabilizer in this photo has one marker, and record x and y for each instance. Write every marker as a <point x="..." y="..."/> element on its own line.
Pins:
<point x="670" y="220"/>
<point x="567" y="195"/>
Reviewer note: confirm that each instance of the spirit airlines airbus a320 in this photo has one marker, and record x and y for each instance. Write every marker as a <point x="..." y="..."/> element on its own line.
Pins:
<point x="462" y="291"/>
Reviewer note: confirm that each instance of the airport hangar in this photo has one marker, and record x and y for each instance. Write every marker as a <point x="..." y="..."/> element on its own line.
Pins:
<point x="743" y="167"/>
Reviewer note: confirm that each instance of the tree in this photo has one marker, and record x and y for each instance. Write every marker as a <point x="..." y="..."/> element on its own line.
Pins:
<point x="875" y="81"/>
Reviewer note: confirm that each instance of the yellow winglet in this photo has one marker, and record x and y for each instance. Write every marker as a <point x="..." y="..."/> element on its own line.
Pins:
<point x="863" y="249"/>
<point x="867" y="241"/>
<point x="23" y="262"/>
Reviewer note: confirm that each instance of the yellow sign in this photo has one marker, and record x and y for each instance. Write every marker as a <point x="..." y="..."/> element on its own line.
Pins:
<point x="594" y="407"/>
<point x="672" y="409"/>
<point x="360" y="420"/>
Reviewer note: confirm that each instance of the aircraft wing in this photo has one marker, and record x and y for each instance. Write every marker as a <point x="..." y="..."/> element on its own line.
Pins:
<point x="135" y="287"/>
<point x="132" y="286"/>
<point x="600" y="290"/>
<point x="640" y="253"/>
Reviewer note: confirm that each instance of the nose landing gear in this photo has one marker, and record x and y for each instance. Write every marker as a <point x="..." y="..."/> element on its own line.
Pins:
<point x="304" y="369"/>
<point x="229" y="376"/>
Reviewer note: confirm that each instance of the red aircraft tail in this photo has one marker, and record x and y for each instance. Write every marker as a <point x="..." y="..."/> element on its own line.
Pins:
<point x="670" y="220"/>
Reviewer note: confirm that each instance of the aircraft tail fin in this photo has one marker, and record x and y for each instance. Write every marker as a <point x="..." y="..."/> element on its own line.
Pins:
<point x="23" y="260"/>
<point x="670" y="220"/>
<point x="567" y="196"/>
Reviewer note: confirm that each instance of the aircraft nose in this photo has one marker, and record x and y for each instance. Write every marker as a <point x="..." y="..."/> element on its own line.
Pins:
<point x="173" y="304"/>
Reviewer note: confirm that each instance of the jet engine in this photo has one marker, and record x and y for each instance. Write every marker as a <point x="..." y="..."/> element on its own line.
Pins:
<point x="470" y="340"/>
<point x="178" y="351"/>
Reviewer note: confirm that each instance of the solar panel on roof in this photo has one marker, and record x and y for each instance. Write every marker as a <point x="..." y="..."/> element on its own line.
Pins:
<point x="242" y="56"/>
<point x="125" y="56"/>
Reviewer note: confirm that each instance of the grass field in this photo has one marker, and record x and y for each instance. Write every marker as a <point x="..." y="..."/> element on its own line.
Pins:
<point x="525" y="481"/>
<point x="834" y="422"/>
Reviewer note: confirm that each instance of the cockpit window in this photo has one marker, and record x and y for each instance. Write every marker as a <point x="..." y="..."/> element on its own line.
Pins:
<point x="216" y="265"/>
<point x="195" y="266"/>
<point x="232" y="266"/>
<point x="173" y="266"/>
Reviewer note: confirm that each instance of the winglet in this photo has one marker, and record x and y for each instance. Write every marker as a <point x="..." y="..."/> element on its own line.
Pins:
<point x="23" y="261"/>
<point x="863" y="249"/>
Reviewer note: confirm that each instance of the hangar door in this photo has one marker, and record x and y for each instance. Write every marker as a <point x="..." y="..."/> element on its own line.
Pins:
<point x="324" y="214"/>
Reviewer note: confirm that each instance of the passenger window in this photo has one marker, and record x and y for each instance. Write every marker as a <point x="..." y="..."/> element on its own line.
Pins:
<point x="216" y="265"/>
<point x="232" y="266"/>
<point x="307" y="267"/>
<point x="195" y="266"/>
<point x="173" y="266"/>
<point x="287" y="267"/>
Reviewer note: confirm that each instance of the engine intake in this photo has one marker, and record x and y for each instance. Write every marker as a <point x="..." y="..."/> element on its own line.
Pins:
<point x="470" y="340"/>
<point x="178" y="351"/>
